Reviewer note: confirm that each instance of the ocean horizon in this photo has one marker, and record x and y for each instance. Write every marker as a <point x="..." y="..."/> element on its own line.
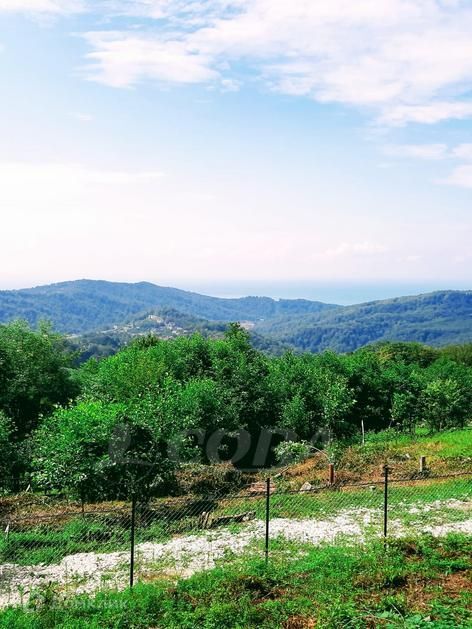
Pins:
<point x="337" y="292"/>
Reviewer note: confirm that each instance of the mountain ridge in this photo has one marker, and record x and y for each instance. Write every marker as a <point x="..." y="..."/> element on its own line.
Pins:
<point x="80" y="306"/>
<point x="437" y="318"/>
<point x="84" y="307"/>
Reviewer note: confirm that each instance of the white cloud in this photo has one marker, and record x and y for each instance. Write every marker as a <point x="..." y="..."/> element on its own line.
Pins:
<point x="402" y="60"/>
<point x="405" y="60"/>
<point x="421" y="151"/>
<point x="121" y="61"/>
<point x="463" y="151"/>
<point x="23" y="182"/>
<point x="432" y="113"/>
<point x="81" y="116"/>
<point x="460" y="176"/>
<point x="42" y="6"/>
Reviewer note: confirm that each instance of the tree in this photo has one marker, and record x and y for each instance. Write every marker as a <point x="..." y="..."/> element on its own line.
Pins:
<point x="461" y="354"/>
<point x="98" y="450"/>
<point x="337" y="400"/>
<point x="7" y="453"/>
<point x="35" y="374"/>
<point x="241" y="373"/>
<point x="296" y="416"/>
<point x="407" y="353"/>
<point x="371" y="388"/>
<point x="444" y="404"/>
<point x="312" y="394"/>
<point x="405" y="410"/>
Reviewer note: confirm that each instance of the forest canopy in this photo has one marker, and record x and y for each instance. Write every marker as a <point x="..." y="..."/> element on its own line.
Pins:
<point x="94" y="430"/>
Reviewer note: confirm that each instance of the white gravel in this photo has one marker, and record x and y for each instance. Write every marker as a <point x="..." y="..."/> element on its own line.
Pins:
<point x="183" y="556"/>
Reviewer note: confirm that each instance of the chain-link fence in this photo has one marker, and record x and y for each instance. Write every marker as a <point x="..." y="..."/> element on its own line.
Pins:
<point x="83" y="550"/>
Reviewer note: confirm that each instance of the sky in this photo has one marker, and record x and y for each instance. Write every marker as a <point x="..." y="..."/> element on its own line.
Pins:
<point x="232" y="146"/>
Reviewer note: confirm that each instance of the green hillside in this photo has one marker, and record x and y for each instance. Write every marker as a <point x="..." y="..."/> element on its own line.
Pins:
<point x="86" y="305"/>
<point x="165" y="323"/>
<point x="110" y="314"/>
<point x="437" y="319"/>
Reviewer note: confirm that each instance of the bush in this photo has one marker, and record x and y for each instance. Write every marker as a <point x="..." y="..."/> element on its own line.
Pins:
<point x="290" y="452"/>
<point x="203" y="479"/>
<point x="99" y="451"/>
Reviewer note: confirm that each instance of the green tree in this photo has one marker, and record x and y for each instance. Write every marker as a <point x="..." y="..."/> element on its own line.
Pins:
<point x="405" y="410"/>
<point x="35" y="374"/>
<point x="241" y="373"/>
<point x="7" y="453"/>
<point x="372" y="390"/>
<point x="337" y="400"/>
<point x="444" y="404"/>
<point x="98" y="450"/>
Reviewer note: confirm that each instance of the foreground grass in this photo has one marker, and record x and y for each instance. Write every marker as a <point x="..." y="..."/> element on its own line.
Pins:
<point x="422" y="583"/>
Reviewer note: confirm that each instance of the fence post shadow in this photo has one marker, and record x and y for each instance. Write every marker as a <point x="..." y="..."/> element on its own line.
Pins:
<point x="132" y="536"/>
<point x="385" y="506"/>
<point x="267" y="519"/>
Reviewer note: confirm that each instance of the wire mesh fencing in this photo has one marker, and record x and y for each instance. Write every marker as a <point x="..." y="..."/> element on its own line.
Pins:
<point x="87" y="550"/>
<point x="71" y="552"/>
<point x="177" y="537"/>
<point x="358" y="513"/>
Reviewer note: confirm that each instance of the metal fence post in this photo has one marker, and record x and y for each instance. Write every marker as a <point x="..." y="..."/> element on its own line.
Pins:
<point x="133" y="531"/>
<point x="267" y="520"/>
<point x="385" y="517"/>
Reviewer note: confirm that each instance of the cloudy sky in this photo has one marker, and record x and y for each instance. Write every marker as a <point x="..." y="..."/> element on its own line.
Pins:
<point x="195" y="141"/>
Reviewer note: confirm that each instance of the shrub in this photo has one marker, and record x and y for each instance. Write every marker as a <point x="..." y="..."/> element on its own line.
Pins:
<point x="289" y="452"/>
<point x="202" y="479"/>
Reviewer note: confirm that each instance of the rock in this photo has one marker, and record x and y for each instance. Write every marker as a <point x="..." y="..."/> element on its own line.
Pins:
<point x="261" y="488"/>
<point x="306" y="487"/>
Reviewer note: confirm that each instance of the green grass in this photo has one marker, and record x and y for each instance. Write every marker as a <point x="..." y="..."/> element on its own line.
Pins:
<point x="453" y="444"/>
<point x="425" y="583"/>
<point x="329" y="503"/>
<point x="449" y="444"/>
<point x="47" y="544"/>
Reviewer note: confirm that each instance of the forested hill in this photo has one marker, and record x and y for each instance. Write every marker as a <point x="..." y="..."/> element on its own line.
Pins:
<point x="440" y="318"/>
<point x="86" y="305"/>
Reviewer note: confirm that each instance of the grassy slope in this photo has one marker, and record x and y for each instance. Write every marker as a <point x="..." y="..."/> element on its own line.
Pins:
<point x="446" y="453"/>
<point x="422" y="583"/>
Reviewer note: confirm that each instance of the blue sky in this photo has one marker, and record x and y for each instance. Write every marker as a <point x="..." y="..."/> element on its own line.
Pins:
<point x="252" y="143"/>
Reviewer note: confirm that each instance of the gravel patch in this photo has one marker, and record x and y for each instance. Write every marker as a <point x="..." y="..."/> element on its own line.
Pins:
<point x="183" y="556"/>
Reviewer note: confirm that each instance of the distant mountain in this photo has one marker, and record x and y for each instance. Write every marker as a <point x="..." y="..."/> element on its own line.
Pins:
<point x="87" y="305"/>
<point x="440" y="318"/>
<point x="107" y="315"/>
